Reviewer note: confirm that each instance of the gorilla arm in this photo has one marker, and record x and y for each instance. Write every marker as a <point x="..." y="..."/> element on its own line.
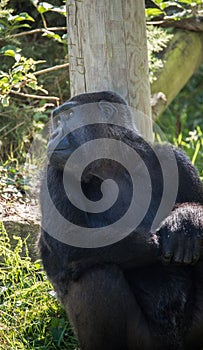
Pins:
<point x="181" y="233"/>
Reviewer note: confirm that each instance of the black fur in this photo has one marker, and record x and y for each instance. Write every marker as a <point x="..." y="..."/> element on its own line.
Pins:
<point x="123" y="296"/>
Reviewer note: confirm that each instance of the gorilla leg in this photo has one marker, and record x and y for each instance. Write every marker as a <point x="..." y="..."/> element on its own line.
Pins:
<point x="195" y="334"/>
<point x="104" y="312"/>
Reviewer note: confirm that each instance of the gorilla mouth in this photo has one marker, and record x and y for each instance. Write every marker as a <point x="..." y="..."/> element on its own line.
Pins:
<point x="100" y="169"/>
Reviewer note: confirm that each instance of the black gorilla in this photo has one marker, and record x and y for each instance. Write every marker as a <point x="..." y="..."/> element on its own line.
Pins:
<point x="146" y="290"/>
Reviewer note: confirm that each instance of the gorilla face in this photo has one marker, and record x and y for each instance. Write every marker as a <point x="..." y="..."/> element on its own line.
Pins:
<point x="76" y="123"/>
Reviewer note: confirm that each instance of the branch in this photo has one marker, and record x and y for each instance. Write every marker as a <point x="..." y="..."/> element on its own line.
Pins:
<point x="14" y="128"/>
<point x="38" y="97"/>
<point x="47" y="70"/>
<point x="182" y="57"/>
<point x="40" y="30"/>
<point x="194" y="24"/>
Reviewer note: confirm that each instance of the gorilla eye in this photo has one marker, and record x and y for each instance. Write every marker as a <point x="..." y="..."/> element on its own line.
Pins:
<point x="70" y="113"/>
<point x="55" y="122"/>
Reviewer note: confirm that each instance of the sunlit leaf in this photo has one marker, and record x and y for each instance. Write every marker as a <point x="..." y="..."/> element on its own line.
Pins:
<point x="24" y="16"/>
<point x="153" y="12"/>
<point x="44" y="7"/>
<point x="189" y="2"/>
<point x="53" y="36"/>
<point x="11" y="51"/>
<point x="18" y="26"/>
<point x="12" y="48"/>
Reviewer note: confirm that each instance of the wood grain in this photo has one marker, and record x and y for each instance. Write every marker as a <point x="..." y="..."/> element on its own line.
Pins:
<point x="108" y="51"/>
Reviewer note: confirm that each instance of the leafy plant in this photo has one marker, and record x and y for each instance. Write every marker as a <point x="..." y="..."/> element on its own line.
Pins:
<point x="158" y="39"/>
<point x="27" y="93"/>
<point x="31" y="317"/>
<point x="193" y="147"/>
<point x="9" y="23"/>
<point x="174" y="10"/>
<point x="19" y="76"/>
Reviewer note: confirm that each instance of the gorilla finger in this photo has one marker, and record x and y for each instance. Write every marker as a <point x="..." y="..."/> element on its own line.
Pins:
<point x="178" y="256"/>
<point x="167" y="251"/>
<point x="188" y="251"/>
<point x="197" y="249"/>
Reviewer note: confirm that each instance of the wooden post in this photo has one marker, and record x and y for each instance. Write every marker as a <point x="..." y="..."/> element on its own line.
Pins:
<point x="108" y="51"/>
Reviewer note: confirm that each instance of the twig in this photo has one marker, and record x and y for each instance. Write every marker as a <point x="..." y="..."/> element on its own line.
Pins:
<point x="43" y="20"/>
<point x="47" y="70"/>
<point x="15" y="127"/>
<point x="38" y="97"/>
<point x="39" y="30"/>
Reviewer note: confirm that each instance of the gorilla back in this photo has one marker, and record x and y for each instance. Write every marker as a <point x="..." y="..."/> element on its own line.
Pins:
<point x="142" y="289"/>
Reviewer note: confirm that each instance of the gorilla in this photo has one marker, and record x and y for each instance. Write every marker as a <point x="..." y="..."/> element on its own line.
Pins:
<point x="143" y="289"/>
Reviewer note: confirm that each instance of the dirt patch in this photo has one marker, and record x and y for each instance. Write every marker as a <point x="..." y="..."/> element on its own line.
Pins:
<point x="19" y="211"/>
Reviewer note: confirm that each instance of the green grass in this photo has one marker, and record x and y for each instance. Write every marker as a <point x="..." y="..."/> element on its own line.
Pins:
<point x="191" y="143"/>
<point x="30" y="316"/>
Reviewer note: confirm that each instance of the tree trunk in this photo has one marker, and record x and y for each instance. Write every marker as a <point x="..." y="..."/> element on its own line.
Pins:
<point x="181" y="59"/>
<point x="108" y="51"/>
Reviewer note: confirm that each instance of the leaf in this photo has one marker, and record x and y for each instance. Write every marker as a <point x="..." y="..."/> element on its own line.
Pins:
<point x="53" y="36"/>
<point x="11" y="51"/>
<point x="13" y="54"/>
<point x="44" y="7"/>
<point x="26" y="16"/>
<point x="40" y="116"/>
<point x="158" y="2"/>
<point x="5" y="101"/>
<point x="10" y="48"/>
<point x="23" y="16"/>
<point x="33" y="85"/>
<point x="153" y="12"/>
<point x="187" y="1"/>
<point x="17" y="68"/>
<point x="22" y="25"/>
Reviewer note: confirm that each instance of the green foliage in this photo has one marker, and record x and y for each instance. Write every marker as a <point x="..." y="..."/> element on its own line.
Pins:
<point x="23" y="56"/>
<point x="10" y="23"/>
<point x="4" y="11"/>
<point x="158" y="39"/>
<point x="182" y="121"/>
<point x="43" y="7"/>
<point x="185" y="111"/>
<point x="191" y="143"/>
<point x="19" y="76"/>
<point x="193" y="146"/>
<point x="31" y="317"/>
<point x="18" y="125"/>
<point x="174" y="10"/>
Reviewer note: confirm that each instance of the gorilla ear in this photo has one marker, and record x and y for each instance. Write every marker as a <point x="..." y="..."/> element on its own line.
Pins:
<point x="107" y="108"/>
